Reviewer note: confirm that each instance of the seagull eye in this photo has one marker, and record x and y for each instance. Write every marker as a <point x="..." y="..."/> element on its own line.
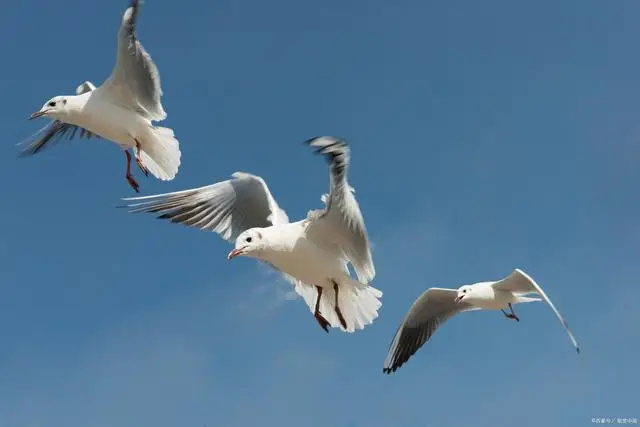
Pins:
<point x="52" y="104"/>
<point x="248" y="239"/>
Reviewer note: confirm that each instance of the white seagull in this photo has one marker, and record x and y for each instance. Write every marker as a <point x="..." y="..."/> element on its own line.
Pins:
<point x="436" y="305"/>
<point x="313" y="254"/>
<point x="121" y="110"/>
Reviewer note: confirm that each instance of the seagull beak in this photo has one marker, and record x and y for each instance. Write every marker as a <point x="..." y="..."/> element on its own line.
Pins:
<point x="458" y="299"/>
<point x="37" y="114"/>
<point x="234" y="253"/>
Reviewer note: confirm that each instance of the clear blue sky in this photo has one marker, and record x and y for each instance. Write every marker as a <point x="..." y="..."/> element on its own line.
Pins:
<point x="485" y="136"/>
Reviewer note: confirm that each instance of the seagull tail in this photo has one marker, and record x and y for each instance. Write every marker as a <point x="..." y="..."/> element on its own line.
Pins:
<point x="161" y="153"/>
<point x="521" y="299"/>
<point x="358" y="303"/>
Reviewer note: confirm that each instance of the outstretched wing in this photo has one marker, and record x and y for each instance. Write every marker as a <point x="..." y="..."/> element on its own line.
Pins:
<point x="341" y="224"/>
<point x="426" y="315"/>
<point x="56" y="130"/>
<point x="521" y="283"/>
<point x="227" y="208"/>
<point x="134" y="83"/>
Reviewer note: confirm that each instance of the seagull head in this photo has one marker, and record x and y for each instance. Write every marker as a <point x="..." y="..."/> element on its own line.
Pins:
<point x="463" y="292"/>
<point x="54" y="108"/>
<point x="248" y="243"/>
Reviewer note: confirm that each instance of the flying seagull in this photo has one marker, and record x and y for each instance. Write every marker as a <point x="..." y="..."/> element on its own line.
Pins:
<point x="121" y="110"/>
<point x="436" y="305"/>
<point x="312" y="254"/>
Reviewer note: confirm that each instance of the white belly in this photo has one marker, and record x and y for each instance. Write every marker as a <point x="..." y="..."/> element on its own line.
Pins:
<point x="308" y="263"/>
<point x="112" y="122"/>
<point x="496" y="301"/>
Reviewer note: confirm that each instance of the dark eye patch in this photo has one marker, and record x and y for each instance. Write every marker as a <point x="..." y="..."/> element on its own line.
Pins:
<point x="52" y="104"/>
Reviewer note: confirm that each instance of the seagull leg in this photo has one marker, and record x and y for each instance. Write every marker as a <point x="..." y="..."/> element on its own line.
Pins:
<point x="132" y="182"/>
<point x="338" y="311"/>
<point x="142" y="167"/>
<point x="316" y="313"/>
<point x="511" y="315"/>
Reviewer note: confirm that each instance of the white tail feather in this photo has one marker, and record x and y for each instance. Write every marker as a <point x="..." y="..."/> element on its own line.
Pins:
<point x="161" y="153"/>
<point x="522" y="299"/>
<point x="359" y="303"/>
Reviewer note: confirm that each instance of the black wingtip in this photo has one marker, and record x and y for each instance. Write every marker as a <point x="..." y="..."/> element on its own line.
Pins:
<point x="310" y="140"/>
<point x="135" y="5"/>
<point x="578" y="350"/>
<point x="325" y="149"/>
<point x="389" y="371"/>
<point x="34" y="148"/>
<point x="31" y="151"/>
<point x="337" y="140"/>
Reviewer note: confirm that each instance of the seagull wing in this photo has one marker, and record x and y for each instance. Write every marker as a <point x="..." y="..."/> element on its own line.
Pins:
<point x="341" y="225"/>
<point x="134" y="83"/>
<point x="56" y="130"/>
<point x="426" y="315"/>
<point x="85" y="87"/>
<point x="227" y="208"/>
<point x="518" y="282"/>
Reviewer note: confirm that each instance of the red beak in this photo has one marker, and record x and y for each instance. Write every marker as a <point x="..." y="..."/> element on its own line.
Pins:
<point x="36" y="115"/>
<point x="234" y="253"/>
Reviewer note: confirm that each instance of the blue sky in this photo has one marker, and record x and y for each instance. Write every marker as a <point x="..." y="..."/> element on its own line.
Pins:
<point x="485" y="136"/>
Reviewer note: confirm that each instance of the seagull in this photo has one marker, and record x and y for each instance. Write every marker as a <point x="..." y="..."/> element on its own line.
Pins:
<point x="121" y="110"/>
<point x="312" y="254"/>
<point x="436" y="305"/>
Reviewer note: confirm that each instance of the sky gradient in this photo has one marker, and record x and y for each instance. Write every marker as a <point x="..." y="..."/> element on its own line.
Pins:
<point x="485" y="136"/>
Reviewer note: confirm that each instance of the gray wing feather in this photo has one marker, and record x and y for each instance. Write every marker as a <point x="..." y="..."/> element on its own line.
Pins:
<point x="135" y="80"/>
<point x="426" y="315"/>
<point x="341" y="223"/>
<point x="519" y="282"/>
<point x="227" y="208"/>
<point x="50" y="135"/>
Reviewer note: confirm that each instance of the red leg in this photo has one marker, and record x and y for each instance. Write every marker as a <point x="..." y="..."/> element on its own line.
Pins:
<point x="338" y="311"/>
<point x="132" y="182"/>
<point x="511" y="315"/>
<point x="142" y="167"/>
<point x="324" y="324"/>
